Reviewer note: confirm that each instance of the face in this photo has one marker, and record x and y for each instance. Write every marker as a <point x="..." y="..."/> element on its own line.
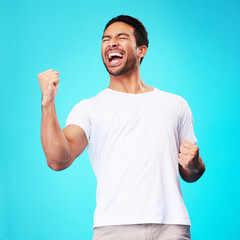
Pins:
<point x="119" y="50"/>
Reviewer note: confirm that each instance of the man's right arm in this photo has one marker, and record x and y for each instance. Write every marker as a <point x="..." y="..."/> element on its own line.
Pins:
<point x="61" y="147"/>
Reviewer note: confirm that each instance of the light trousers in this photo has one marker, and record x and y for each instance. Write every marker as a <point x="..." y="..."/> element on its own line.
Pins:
<point x="142" y="232"/>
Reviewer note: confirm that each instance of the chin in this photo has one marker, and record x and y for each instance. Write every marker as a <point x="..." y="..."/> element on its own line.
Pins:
<point x="116" y="73"/>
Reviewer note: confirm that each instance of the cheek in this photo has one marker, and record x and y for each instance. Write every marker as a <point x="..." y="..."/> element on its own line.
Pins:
<point x="137" y="53"/>
<point x="102" y="51"/>
<point x="132" y="50"/>
<point x="103" y="47"/>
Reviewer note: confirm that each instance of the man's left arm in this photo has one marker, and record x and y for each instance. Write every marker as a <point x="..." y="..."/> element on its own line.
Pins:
<point x="191" y="165"/>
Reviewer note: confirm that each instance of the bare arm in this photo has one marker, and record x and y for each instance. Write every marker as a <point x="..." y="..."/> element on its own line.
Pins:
<point x="190" y="176"/>
<point x="55" y="144"/>
<point x="61" y="147"/>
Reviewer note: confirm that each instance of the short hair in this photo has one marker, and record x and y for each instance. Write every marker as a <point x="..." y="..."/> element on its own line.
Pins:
<point x="140" y="32"/>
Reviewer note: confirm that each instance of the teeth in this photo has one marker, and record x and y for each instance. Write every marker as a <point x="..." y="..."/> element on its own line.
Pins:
<point x="115" y="55"/>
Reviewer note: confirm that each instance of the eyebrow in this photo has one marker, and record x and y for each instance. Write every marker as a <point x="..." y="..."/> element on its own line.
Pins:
<point x="119" y="34"/>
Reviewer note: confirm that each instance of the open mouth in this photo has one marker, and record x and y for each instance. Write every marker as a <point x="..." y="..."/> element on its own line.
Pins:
<point x="114" y="58"/>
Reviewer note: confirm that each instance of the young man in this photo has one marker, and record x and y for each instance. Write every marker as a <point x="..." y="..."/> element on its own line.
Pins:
<point x="138" y="138"/>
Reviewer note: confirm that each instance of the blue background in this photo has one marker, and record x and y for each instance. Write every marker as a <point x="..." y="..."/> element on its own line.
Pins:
<point x="194" y="52"/>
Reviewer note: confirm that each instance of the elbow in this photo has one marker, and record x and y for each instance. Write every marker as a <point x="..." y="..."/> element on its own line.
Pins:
<point x="59" y="162"/>
<point x="57" y="166"/>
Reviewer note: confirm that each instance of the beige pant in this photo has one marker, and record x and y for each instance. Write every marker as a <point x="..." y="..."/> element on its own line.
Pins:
<point x="142" y="232"/>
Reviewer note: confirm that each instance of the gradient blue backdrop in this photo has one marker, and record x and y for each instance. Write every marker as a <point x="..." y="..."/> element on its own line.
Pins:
<point x="194" y="52"/>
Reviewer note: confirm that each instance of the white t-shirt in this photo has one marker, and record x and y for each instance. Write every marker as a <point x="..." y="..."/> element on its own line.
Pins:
<point x="133" y="146"/>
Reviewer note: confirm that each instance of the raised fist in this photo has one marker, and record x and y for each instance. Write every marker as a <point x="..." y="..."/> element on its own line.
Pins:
<point x="48" y="82"/>
<point x="189" y="156"/>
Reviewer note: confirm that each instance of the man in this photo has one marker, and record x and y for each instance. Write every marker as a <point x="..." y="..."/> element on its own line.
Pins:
<point x="138" y="137"/>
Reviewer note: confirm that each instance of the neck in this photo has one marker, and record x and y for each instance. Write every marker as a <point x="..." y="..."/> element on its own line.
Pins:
<point x="130" y="82"/>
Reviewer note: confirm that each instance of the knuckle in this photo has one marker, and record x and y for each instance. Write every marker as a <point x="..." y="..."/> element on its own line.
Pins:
<point x="187" y="163"/>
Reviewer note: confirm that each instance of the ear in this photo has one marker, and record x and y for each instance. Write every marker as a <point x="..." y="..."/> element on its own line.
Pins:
<point x="142" y="51"/>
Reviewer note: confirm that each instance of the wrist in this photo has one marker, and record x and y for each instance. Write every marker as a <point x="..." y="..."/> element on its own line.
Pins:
<point x="47" y="102"/>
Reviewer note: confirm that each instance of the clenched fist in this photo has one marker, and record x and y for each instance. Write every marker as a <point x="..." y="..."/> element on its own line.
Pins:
<point x="189" y="156"/>
<point x="48" y="82"/>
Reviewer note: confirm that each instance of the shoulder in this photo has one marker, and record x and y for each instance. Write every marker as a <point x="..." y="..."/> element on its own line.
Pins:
<point x="175" y="102"/>
<point x="172" y="97"/>
<point x="88" y="103"/>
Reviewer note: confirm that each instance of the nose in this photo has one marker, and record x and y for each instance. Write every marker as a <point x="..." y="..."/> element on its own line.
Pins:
<point x="113" y="42"/>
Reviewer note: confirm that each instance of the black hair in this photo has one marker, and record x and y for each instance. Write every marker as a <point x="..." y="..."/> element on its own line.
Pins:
<point x="140" y="32"/>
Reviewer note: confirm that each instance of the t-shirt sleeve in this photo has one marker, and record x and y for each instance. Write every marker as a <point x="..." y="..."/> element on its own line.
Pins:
<point x="80" y="116"/>
<point x="186" y="124"/>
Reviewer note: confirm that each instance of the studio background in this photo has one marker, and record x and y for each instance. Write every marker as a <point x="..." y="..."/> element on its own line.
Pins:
<point x="193" y="52"/>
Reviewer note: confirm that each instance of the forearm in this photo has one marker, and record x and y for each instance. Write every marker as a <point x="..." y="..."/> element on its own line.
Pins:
<point x="55" y="145"/>
<point x="192" y="176"/>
